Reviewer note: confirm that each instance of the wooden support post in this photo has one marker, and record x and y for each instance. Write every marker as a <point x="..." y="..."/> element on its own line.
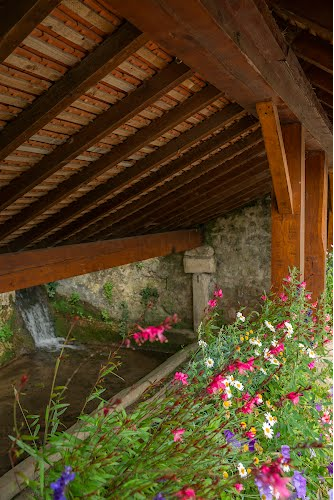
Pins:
<point x="330" y="212"/>
<point x="316" y="197"/>
<point x="288" y="229"/>
<point x="25" y="269"/>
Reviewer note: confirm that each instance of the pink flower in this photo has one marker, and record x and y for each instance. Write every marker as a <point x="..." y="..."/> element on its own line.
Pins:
<point x="311" y="365"/>
<point x="218" y="293"/>
<point x="294" y="397"/>
<point x="246" y="396"/>
<point x="326" y="418"/>
<point x="181" y="377"/>
<point x="288" y="278"/>
<point x="271" y="476"/>
<point x="283" y="297"/>
<point x="315" y="304"/>
<point x="238" y="486"/>
<point x="327" y="318"/>
<point x="212" y="303"/>
<point x="327" y="328"/>
<point x="216" y="384"/>
<point x="178" y="434"/>
<point x="250" y="434"/>
<point x="264" y="298"/>
<point x="280" y="325"/>
<point x="248" y="407"/>
<point x="303" y="284"/>
<point x="277" y="349"/>
<point x="186" y="493"/>
<point x="308" y="296"/>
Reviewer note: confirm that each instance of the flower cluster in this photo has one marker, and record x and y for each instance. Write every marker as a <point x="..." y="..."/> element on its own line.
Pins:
<point x="155" y="333"/>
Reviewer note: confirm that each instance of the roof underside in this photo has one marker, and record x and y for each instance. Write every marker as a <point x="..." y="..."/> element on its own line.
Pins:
<point x="107" y="134"/>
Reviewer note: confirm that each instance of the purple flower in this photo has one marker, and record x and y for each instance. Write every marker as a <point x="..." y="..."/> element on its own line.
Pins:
<point x="318" y="407"/>
<point x="59" y="486"/>
<point x="299" y="482"/>
<point x="264" y="489"/>
<point x="330" y="468"/>
<point x="251" y="445"/>
<point x="230" y="438"/>
<point x="159" y="496"/>
<point x="330" y="493"/>
<point x="277" y="435"/>
<point x="285" y="450"/>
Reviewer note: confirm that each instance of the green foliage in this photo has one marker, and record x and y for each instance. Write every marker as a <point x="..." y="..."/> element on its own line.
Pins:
<point x="329" y="282"/>
<point x="74" y="299"/>
<point x="139" y="265"/>
<point x="149" y="296"/>
<point x="70" y="307"/>
<point x="108" y="291"/>
<point x="6" y="332"/>
<point x="124" y="322"/>
<point x="105" y="316"/>
<point x="51" y="289"/>
<point x="134" y="455"/>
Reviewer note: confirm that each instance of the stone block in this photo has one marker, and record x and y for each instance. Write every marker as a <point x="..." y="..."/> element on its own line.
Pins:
<point x="199" y="260"/>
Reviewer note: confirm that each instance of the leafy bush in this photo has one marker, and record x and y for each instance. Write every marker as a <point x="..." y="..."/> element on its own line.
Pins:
<point x="105" y="316"/>
<point x="51" y="289"/>
<point x="108" y="291"/>
<point x="74" y="299"/>
<point x="250" y="415"/>
<point x="5" y="332"/>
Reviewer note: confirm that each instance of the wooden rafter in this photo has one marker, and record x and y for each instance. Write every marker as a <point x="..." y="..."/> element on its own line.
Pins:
<point x="19" y="19"/>
<point x="203" y="192"/>
<point x="143" y="137"/>
<point x="106" y="57"/>
<point x="315" y="51"/>
<point x="184" y="141"/>
<point x="273" y="140"/>
<point x="218" y="190"/>
<point x="149" y="201"/>
<point x="104" y="124"/>
<point x="239" y="48"/>
<point x="320" y="79"/>
<point x="25" y="269"/>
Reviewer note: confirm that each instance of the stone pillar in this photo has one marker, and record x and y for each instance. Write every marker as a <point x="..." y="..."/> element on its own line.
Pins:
<point x="200" y="262"/>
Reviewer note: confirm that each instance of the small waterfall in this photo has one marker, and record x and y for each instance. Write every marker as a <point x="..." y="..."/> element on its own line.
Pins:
<point x="34" y="308"/>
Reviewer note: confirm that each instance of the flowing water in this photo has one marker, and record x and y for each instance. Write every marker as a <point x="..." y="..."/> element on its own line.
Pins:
<point x="34" y="309"/>
<point x="39" y="367"/>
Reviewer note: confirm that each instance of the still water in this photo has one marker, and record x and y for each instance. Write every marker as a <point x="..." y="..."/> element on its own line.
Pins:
<point x="39" y="367"/>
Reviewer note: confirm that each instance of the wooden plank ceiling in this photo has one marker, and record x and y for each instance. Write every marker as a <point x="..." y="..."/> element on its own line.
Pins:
<point x="106" y="133"/>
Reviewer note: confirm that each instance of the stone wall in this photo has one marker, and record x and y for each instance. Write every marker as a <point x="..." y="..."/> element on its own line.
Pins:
<point x="242" y="245"/>
<point x="241" y="241"/>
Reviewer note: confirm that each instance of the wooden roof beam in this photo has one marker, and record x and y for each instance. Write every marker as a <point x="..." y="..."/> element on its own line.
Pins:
<point x="320" y="79"/>
<point x="25" y="269"/>
<point x="315" y="51"/>
<point x="106" y="57"/>
<point x="183" y="198"/>
<point x="18" y="19"/>
<point x="149" y="201"/>
<point x="118" y="114"/>
<point x="273" y="140"/>
<point x="240" y="49"/>
<point x="122" y="152"/>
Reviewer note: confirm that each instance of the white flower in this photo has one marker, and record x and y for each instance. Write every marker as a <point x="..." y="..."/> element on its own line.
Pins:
<point x="274" y="342"/>
<point x="228" y="392"/>
<point x="270" y="326"/>
<point x="240" y="316"/>
<point x="202" y="343"/>
<point x="266" y="353"/>
<point x="229" y="379"/>
<point x="257" y="353"/>
<point x="286" y="468"/>
<point x="238" y="385"/>
<point x="273" y="360"/>
<point x="311" y="353"/>
<point x="312" y="453"/>
<point x="209" y="362"/>
<point x="256" y="341"/>
<point x="268" y="432"/>
<point x="289" y="329"/>
<point x="263" y="371"/>
<point x="259" y="399"/>
<point x="242" y="470"/>
<point x="270" y="419"/>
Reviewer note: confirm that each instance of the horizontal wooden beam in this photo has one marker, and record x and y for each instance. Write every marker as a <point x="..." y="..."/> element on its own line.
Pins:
<point x="273" y="140"/>
<point x="103" y="125"/>
<point x="216" y="121"/>
<point x="35" y="267"/>
<point x="106" y="57"/>
<point x="167" y="173"/>
<point x="239" y="48"/>
<point x="18" y="19"/>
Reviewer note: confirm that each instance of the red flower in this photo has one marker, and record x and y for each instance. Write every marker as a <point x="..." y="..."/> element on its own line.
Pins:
<point x="294" y="397"/>
<point x="24" y="379"/>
